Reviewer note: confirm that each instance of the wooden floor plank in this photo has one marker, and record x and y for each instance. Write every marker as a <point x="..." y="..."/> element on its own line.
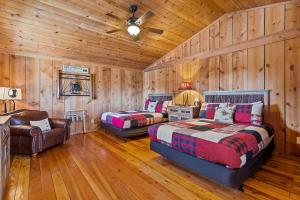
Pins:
<point x="125" y="171"/>
<point x="69" y="180"/>
<point x="35" y="182"/>
<point x="96" y="187"/>
<point x="23" y="180"/>
<point x="12" y="182"/>
<point x="48" y="190"/>
<point x="58" y="182"/>
<point x="82" y="185"/>
<point x="101" y="166"/>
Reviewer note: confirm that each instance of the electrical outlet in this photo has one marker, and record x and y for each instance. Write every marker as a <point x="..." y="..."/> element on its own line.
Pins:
<point x="92" y="121"/>
<point x="298" y="140"/>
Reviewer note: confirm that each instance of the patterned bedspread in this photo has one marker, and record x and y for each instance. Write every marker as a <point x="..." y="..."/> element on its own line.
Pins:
<point x="132" y="119"/>
<point x="229" y="144"/>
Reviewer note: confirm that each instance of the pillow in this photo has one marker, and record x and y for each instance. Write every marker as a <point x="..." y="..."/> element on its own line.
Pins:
<point x="146" y="104"/>
<point x="249" y="113"/>
<point x="224" y="114"/>
<point x="166" y="104"/>
<point x="162" y="106"/>
<point x="42" y="124"/>
<point x="152" y="106"/>
<point x="159" y="106"/>
<point x="208" y="110"/>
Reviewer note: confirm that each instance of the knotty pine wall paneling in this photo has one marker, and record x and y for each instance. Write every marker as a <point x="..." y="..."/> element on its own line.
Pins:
<point x="116" y="88"/>
<point x="244" y="50"/>
<point x="214" y="73"/>
<point x="274" y="81"/>
<point x="4" y="73"/>
<point x="239" y="70"/>
<point x="292" y="97"/>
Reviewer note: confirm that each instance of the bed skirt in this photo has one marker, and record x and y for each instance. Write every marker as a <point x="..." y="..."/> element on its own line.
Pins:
<point x="218" y="173"/>
<point x="126" y="133"/>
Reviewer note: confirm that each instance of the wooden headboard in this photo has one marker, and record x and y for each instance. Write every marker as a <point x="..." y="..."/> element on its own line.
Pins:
<point x="161" y="97"/>
<point x="238" y="96"/>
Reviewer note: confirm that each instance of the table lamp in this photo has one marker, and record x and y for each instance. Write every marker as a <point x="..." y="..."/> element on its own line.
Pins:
<point x="184" y="86"/>
<point x="2" y="89"/>
<point x="10" y="94"/>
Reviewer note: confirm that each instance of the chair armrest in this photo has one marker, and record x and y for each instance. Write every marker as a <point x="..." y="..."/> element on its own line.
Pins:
<point x="25" y="130"/>
<point x="59" y="123"/>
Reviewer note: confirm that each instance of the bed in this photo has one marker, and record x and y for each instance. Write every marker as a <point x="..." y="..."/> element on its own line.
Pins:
<point x="135" y="123"/>
<point x="222" y="152"/>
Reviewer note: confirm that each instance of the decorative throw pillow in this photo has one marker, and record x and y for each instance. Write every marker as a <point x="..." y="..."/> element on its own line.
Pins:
<point x="166" y="104"/>
<point x="249" y="113"/>
<point x="152" y="106"/>
<point x="146" y="104"/>
<point x="159" y="106"/>
<point x="225" y="114"/>
<point x="44" y="124"/>
<point x="162" y="106"/>
<point x="208" y="110"/>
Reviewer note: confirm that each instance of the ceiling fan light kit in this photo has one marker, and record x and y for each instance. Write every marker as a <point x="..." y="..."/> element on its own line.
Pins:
<point x="133" y="23"/>
<point x="133" y="29"/>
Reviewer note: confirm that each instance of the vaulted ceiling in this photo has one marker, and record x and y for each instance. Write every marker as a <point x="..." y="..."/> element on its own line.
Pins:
<point x="76" y="29"/>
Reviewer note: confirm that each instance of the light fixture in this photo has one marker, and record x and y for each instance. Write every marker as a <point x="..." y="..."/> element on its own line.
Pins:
<point x="133" y="29"/>
<point x="184" y="86"/>
<point x="10" y="94"/>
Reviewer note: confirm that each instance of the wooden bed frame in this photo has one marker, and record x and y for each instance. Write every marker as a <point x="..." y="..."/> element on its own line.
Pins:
<point x="218" y="173"/>
<point x="136" y="132"/>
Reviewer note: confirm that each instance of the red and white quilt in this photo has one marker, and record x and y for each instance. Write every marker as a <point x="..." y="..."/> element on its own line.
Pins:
<point x="229" y="144"/>
<point x="132" y="119"/>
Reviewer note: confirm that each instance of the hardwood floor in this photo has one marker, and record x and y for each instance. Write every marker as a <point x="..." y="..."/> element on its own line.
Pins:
<point x="100" y="166"/>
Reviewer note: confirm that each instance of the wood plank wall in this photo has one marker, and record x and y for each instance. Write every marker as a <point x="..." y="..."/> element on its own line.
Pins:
<point x="275" y="66"/>
<point x="116" y="88"/>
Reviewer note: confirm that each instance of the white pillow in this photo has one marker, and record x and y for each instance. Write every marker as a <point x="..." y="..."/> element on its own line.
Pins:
<point x="166" y="104"/>
<point x="44" y="124"/>
<point x="152" y="106"/>
<point x="224" y="114"/>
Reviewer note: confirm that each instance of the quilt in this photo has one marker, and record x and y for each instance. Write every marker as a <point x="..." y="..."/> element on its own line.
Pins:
<point x="132" y="119"/>
<point x="229" y="144"/>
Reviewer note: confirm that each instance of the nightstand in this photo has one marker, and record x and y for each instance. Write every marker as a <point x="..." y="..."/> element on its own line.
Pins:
<point x="183" y="112"/>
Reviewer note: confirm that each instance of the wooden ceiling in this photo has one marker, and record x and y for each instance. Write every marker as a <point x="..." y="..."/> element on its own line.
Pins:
<point x="76" y="29"/>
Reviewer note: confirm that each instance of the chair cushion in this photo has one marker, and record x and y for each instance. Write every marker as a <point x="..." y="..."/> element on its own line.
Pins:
<point x="53" y="137"/>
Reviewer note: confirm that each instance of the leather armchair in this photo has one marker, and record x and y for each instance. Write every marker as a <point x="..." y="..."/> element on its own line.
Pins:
<point x="27" y="139"/>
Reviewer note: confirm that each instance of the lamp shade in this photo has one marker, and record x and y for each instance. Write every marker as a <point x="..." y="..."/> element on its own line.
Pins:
<point x="12" y="94"/>
<point x="133" y="29"/>
<point x="2" y="91"/>
<point x="185" y="86"/>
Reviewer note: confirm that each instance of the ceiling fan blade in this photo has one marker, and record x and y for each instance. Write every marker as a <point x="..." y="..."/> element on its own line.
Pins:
<point x="154" y="30"/>
<point x="113" y="31"/>
<point x="142" y="19"/>
<point x="113" y="16"/>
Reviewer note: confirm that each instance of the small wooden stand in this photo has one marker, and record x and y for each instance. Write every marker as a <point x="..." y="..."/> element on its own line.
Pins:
<point x="76" y="115"/>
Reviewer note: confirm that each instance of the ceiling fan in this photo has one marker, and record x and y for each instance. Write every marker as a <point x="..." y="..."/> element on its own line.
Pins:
<point x="133" y="23"/>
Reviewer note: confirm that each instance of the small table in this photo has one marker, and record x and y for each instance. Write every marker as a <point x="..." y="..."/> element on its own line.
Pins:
<point x="76" y="115"/>
<point x="176" y="113"/>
